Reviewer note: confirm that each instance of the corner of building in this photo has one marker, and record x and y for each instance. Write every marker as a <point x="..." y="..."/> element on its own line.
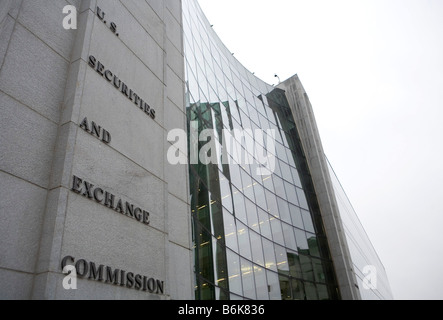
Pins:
<point x="310" y="138"/>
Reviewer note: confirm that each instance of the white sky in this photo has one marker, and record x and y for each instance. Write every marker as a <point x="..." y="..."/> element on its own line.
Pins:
<point x="373" y="70"/>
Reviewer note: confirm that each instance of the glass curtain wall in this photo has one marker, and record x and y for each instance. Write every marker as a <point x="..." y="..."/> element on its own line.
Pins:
<point x="365" y="259"/>
<point x="257" y="234"/>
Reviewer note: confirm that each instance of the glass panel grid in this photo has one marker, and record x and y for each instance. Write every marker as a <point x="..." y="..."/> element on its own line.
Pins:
<point x="254" y="236"/>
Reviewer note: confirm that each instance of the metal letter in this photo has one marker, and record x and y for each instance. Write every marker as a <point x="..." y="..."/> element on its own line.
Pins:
<point x="96" y="130"/>
<point x="112" y="277"/>
<point x="116" y="79"/>
<point x="130" y="280"/>
<point x="146" y="218"/>
<point x="138" y="282"/>
<point x="160" y="287"/>
<point x="96" y="193"/>
<point x="66" y="259"/>
<point x="94" y="272"/>
<point x="85" y="267"/>
<point x="108" y="75"/>
<point x="109" y="200"/>
<point x="76" y="182"/>
<point x="88" y="190"/>
<point x="100" y="13"/>
<point x="138" y="214"/>
<point x="106" y="137"/>
<point x="129" y="209"/>
<point x="119" y="207"/>
<point x="84" y="125"/>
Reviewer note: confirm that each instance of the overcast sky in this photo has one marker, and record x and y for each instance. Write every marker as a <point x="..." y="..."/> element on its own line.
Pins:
<point x="373" y="70"/>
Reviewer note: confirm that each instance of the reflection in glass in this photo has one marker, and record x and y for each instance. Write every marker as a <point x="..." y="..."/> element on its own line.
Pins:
<point x="244" y="242"/>
<point x="273" y="285"/>
<point x="255" y="237"/>
<point x="248" y="279"/>
<point x="307" y="221"/>
<point x="257" y="249"/>
<point x="265" y="225"/>
<point x="230" y="231"/>
<point x="302" y="242"/>
<point x="311" y="292"/>
<point x="288" y="233"/>
<point x="261" y="283"/>
<point x="268" y="249"/>
<point x="282" y="259"/>
<point x="291" y="193"/>
<point x="234" y="267"/>
<point x="277" y="231"/>
<point x="298" y="290"/>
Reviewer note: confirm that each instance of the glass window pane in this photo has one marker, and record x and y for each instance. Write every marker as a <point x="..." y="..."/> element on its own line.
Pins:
<point x="244" y="243"/>
<point x="235" y="284"/>
<point x="220" y="264"/>
<point x="206" y="291"/>
<point x="307" y="221"/>
<point x="296" y="216"/>
<point x="234" y="297"/>
<point x="277" y="166"/>
<point x="313" y="245"/>
<point x="298" y="290"/>
<point x="281" y="154"/>
<point x="311" y="292"/>
<point x="319" y="272"/>
<point x="248" y="279"/>
<point x="251" y="212"/>
<point x="274" y="286"/>
<point x="230" y="231"/>
<point x="296" y="177"/>
<point x="267" y="181"/>
<point x="306" y="267"/>
<point x="268" y="249"/>
<point x="283" y="210"/>
<point x="302" y="199"/>
<point x="302" y="242"/>
<point x="239" y="205"/>
<point x="205" y="262"/>
<point x="286" y="172"/>
<point x="277" y="232"/>
<point x="234" y="110"/>
<point x="288" y="233"/>
<point x="260" y="195"/>
<point x="290" y="158"/>
<point x="225" y="189"/>
<point x="261" y="283"/>
<point x="265" y="225"/>
<point x="279" y="187"/>
<point x="282" y="259"/>
<point x="235" y="174"/>
<point x="294" y="265"/>
<point x="272" y="204"/>
<point x="257" y="250"/>
<point x="248" y="189"/>
<point x="285" y="287"/>
<point x="291" y="193"/>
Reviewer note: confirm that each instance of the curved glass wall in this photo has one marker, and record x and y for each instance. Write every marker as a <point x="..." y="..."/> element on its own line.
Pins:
<point x="257" y="229"/>
<point x="369" y="270"/>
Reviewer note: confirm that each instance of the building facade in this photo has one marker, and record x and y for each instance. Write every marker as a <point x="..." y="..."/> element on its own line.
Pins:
<point x="83" y="171"/>
<point x="91" y="205"/>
